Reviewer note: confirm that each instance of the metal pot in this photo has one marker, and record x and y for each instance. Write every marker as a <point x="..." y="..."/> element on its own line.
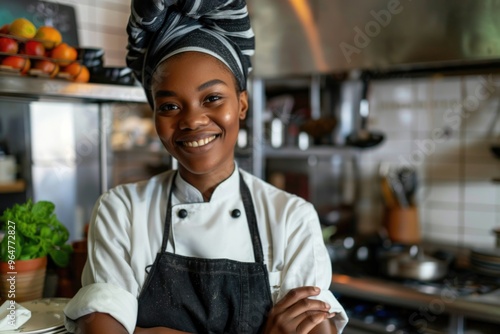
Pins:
<point x="416" y="265"/>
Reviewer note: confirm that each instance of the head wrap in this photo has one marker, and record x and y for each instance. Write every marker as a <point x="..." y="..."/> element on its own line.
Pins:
<point x="159" y="29"/>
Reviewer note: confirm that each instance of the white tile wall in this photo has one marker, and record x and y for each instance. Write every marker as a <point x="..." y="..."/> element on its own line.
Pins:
<point x="458" y="203"/>
<point x="102" y="24"/>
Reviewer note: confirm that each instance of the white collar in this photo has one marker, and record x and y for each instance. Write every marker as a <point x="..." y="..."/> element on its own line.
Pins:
<point x="186" y="193"/>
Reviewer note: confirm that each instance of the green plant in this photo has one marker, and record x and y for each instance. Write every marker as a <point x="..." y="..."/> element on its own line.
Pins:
<point x="37" y="232"/>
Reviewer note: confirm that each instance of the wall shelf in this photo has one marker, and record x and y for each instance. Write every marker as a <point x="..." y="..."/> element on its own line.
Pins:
<point x="37" y="88"/>
<point x="319" y="151"/>
<point x="13" y="187"/>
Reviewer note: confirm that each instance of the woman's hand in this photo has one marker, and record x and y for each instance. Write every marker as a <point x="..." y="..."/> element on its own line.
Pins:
<point x="297" y="313"/>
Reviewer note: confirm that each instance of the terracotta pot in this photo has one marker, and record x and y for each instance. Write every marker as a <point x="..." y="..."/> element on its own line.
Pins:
<point x="23" y="282"/>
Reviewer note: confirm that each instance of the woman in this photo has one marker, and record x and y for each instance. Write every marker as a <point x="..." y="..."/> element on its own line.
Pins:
<point x="208" y="248"/>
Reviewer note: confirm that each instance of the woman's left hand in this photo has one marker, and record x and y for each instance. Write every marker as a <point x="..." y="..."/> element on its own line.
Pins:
<point x="297" y="313"/>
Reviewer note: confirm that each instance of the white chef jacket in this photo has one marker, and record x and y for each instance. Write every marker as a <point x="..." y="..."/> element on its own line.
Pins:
<point x="127" y="228"/>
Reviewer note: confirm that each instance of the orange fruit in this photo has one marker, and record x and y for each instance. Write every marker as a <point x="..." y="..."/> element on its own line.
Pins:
<point x="47" y="66"/>
<point x="20" y="63"/>
<point x="64" y="52"/>
<point x="78" y="72"/>
<point x="50" y="36"/>
<point x="22" y="27"/>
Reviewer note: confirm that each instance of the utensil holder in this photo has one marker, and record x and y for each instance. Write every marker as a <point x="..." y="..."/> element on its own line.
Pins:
<point x="403" y="225"/>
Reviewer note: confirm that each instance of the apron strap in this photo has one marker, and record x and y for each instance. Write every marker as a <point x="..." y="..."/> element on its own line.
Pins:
<point x="252" y="221"/>
<point x="166" y="230"/>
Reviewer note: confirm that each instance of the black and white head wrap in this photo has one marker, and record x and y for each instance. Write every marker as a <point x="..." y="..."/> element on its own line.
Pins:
<point x="159" y="29"/>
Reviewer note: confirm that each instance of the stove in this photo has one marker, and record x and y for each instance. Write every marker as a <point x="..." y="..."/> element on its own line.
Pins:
<point x="454" y="306"/>
<point x="457" y="282"/>
<point x="462" y="301"/>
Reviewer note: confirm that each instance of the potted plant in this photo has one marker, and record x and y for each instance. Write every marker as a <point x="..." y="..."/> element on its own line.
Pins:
<point x="31" y="233"/>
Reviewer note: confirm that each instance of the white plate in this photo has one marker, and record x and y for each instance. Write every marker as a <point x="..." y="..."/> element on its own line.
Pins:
<point x="58" y="330"/>
<point x="47" y="316"/>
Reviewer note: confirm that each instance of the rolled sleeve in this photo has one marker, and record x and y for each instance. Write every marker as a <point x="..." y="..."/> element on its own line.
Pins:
<point x="110" y="284"/>
<point x="105" y="298"/>
<point x="340" y="319"/>
<point x="307" y="262"/>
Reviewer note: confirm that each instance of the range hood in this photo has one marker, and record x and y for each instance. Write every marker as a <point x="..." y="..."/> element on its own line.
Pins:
<point x="296" y="37"/>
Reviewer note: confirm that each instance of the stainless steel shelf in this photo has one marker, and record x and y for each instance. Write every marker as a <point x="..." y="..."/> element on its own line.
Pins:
<point x="52" y="88"/>
<point x="319" y="151"/>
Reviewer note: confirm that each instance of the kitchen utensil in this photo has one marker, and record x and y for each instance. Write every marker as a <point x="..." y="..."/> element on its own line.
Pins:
<point x="398" y="189"/>
<point x="364" y="138"/>
<point x="408" y="179"/>
<point x="414" y="264"/>
<point x="398" y="185"/>
<point x="387" y="194"/>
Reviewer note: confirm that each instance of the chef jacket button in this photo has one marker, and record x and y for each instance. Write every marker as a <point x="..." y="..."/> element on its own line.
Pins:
<point x="182" y="214"/>
<point x="235" y="213"/>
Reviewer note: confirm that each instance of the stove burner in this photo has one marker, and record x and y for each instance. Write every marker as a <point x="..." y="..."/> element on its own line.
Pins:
<point x="460" y="283"/>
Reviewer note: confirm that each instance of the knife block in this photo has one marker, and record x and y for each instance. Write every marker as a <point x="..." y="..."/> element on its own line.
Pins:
<point x="403" y="226"/>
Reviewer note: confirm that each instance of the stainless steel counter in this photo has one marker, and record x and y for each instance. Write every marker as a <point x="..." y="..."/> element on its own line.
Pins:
<point x="37" y="88"/>
<point x="485" y="307"/>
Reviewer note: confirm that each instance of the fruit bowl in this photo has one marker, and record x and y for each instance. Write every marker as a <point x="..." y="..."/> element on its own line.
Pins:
<point x="39" y="58"/>
<point x="35" y="66"/>
<point x="22" y="40"/>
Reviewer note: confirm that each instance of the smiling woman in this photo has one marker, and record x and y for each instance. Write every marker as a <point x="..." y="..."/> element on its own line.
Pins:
<point x="197" y="115"/>
<point x="207" y="247"/>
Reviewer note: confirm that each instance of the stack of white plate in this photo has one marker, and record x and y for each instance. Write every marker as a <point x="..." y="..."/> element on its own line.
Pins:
<point x="486" y="261"/>
<point x="47" y="317"/>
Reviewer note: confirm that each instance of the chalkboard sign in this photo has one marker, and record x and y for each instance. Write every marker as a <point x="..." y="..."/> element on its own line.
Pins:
<point x="42" y="13"/>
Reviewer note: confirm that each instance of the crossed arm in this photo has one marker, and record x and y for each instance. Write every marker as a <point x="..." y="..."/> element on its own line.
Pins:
<point x="295" y="313"/>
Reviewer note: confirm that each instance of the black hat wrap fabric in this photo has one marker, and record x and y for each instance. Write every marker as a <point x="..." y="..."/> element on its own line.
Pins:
<point x="158" y="30"/>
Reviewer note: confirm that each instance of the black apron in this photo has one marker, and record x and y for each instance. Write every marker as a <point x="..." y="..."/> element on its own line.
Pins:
<point x="207" y="295"/>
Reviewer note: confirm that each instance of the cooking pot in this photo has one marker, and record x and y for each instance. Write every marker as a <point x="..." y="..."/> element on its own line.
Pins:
<point x="414" y="264"/>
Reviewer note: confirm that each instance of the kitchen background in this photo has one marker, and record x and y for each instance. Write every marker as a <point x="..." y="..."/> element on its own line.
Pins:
<point x="441" y="123"/>
<point x="459" y="204"/>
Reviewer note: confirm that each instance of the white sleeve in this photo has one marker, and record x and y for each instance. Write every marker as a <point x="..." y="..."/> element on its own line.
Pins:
<point x="307" y="262"/>
<point x="109" y="283"/>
